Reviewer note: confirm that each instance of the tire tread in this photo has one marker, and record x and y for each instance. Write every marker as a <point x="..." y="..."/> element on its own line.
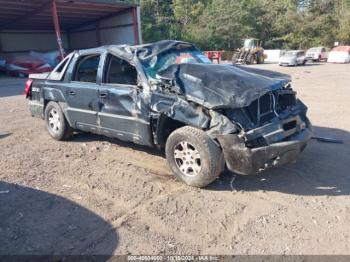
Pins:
<point x="211" y="150"/>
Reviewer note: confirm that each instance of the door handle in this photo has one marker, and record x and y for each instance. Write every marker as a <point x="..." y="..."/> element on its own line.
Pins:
<point x="103" y="95"/>
<point x="72" y="93"/>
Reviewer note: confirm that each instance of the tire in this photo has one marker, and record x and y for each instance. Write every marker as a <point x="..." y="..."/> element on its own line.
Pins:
<point x="56" y="123"/>
<point x="250" y="59"/>
<point x="189" y="144"/>
<point x="259" y="60"/>
<point x="235" y="58"/>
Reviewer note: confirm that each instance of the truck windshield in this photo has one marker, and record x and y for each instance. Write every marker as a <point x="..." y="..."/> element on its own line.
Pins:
<point x="173" y="56"/>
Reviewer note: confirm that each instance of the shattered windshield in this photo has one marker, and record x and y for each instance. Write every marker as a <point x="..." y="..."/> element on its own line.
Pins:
<point x="173" y="56"/>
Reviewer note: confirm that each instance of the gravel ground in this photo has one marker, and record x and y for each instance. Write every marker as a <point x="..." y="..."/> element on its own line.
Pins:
<point x="93" y="195"/>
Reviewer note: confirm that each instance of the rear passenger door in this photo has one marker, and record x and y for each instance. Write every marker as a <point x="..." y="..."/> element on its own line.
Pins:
<point x="122" y="112"/>
<point x="82" y="93"/>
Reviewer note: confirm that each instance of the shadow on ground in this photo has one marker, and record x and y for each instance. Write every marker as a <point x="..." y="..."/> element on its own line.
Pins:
<point x="314" y="64"/>
<point x="5" y="135"/>
<point x="33" y="222"/>
<point x="321" y="170"/>
<point x="89" y="137"/>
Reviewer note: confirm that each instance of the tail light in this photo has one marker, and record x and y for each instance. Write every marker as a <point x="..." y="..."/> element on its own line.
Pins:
<point x="27" y="87"/>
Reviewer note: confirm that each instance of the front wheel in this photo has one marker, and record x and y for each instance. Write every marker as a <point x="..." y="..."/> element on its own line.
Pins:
<point x="250" y="59"/>
<point x="193" y="156"/>
<point x="56" y="123"/>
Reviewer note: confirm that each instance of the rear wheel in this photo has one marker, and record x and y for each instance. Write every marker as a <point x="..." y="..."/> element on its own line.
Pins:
<point x="56" y="123"/>
<point x="193" y="156"/>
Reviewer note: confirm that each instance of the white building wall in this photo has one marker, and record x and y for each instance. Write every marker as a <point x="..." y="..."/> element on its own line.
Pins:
<point x="273" y="55"/>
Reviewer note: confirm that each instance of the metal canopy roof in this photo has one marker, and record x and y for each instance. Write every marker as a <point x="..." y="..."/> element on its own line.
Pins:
<point x="37" y="15"/>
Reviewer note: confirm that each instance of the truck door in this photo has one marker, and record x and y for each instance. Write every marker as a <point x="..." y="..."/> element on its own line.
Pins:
<point x="82" y="93"/>
<point x="122" y="113"/>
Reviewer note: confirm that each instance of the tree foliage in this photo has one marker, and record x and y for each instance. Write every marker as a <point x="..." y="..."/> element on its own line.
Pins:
<point x="222" y="24"/>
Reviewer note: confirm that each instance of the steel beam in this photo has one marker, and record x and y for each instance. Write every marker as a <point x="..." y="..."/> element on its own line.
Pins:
<point x="57" y="28"/>
<point x="135" y="26"/>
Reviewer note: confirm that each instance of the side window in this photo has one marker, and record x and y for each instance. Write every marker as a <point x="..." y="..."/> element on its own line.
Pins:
<point x="59" y="71"/>
<point x="119" y="71"/>
<point x="61" y="66"/>
<point x="86" y="69"/>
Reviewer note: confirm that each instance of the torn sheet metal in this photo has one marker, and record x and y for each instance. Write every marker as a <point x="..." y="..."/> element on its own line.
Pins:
<point x="180" y="110"/>
<point x="248" y="161"/>
<point x="221" y="86"/>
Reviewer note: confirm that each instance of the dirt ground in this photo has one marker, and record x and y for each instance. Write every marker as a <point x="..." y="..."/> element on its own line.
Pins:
<point x="93" y="195"/>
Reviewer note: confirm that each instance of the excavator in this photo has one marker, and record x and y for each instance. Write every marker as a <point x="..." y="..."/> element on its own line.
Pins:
<point x="251" y="52"/>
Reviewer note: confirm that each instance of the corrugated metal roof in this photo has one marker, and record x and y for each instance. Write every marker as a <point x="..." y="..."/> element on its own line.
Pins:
<point x="36" y="14"/>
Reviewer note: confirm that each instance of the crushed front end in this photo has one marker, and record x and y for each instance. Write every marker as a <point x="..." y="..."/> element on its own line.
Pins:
<point x="274" y="131"/>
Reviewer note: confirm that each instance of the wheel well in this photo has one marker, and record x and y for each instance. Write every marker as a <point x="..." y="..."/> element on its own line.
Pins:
<point x="163" y="127"/>
<point x="45" y="103"/>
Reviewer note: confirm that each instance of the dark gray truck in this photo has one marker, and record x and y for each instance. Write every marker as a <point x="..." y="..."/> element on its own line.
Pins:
<point x="169" y="95"/>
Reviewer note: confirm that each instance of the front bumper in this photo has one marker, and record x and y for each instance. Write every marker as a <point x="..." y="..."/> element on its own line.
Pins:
<point x="249" y="161"/>
<point x="286" y="63"/>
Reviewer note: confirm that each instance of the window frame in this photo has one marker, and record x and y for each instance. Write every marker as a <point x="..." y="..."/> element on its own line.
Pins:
<point x="59" y="76"/>
<point x="74" y="71"/>
<point x="106" y="67"/>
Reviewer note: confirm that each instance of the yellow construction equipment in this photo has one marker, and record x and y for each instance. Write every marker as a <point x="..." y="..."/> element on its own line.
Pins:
<point x="250" y="53"/>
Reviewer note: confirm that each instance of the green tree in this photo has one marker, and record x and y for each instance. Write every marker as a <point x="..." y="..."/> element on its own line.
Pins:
<point x="221" y="24"/>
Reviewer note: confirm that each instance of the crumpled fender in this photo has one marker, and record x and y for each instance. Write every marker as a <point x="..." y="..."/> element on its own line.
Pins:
<point x="213" y="122"/>
<point x="180" y="110"/>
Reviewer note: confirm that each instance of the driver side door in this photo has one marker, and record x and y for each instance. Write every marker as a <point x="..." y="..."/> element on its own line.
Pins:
<point x="122" y="112"/>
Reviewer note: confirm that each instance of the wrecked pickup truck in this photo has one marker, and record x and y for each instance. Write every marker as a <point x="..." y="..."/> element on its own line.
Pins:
<point x="169" y="95"/>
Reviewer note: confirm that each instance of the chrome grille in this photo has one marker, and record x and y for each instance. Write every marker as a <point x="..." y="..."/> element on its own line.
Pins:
<point x="269" y="106"/>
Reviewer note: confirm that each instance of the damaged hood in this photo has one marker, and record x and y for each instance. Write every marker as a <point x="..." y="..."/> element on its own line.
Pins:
<point x="222" y="86"/>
